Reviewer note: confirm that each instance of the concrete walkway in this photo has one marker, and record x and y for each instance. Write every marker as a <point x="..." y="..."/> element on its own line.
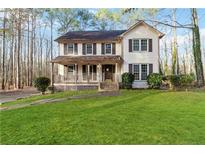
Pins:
<point x="12" y="95"/>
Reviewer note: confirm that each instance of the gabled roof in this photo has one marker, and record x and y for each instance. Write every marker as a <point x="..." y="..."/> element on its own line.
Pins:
<point x="91" y="35"/>
<point x="160" y="34"/>
<point x="103" y="35"/>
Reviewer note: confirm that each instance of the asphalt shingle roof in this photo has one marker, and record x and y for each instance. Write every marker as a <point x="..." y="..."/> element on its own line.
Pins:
<point x="91" y="35"/>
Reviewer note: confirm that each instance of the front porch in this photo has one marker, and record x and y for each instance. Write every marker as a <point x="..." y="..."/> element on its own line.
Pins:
<point x="77" y="72"/>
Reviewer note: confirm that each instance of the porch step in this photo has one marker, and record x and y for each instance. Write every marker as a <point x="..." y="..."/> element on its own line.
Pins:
<point x="109" y="86"/>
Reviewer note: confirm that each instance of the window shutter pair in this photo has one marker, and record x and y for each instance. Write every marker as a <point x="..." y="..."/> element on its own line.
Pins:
<point x="130" y="45"/>
<point x="94" y="49"/>
<point x="113" y="48"/>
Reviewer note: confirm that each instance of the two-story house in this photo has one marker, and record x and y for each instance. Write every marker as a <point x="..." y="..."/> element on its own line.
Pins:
<point x="88" y="58"/>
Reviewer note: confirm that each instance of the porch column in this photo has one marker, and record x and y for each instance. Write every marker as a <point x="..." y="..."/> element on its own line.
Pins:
<point x="88" y="74"/>
<point x="99" y="76"/>
<point x="99" y="72"/>
<point x="116" y="72"/>
<point x="76" y="73"/>
<point x="116" y="75"/>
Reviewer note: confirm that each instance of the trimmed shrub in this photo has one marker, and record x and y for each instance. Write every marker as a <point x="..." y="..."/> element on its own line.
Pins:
<point x="178" y="81"/>
<point x="154" y="80"/>
<point x="186" y="80"/>
<point x="42" y="83"/>
<point x="127" y="80"/>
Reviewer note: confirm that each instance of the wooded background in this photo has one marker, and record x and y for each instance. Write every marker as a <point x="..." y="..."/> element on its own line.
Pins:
<point x="27" y="39"/>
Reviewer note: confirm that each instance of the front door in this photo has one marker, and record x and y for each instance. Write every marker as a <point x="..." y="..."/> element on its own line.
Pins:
<point x="108" y="72"/>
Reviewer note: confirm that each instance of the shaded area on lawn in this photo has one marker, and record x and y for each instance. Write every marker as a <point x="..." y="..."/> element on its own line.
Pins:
<point x="56" y="100"/>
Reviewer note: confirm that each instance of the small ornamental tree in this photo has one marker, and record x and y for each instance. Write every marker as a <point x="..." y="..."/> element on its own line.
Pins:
<point x="154" y="80"/>
<point x="127" y="80"/>
<point x="42" y="83"/>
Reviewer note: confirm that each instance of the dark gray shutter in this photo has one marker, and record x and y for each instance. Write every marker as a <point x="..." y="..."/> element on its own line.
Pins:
<point x="113" y="49"/>
<point x="150" y="45"/>
<point x="130" y="45"/>
<point x="130" y="68"/>
<point x="76" y="48"/>
<point x="65" y="49"/>
<point x="103" y="48"/>
<point x="84" y="52"/>
<point x="94" y="48"/>
<point x="150" y="68"/>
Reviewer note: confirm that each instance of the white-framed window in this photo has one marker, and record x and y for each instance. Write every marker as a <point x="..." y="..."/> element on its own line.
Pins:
<point x="136" y="71"/>
<point x="140" y="45"/>
<point x="89" y="49"/>
<point x="71" y="69"/>
<point x="136" y="45"/>
<point x="140" y="71"/>
<point x="108" y="48"/>
<point x="144" y="71"/>
<point x="144" y="45"/>
<point x="68" y="49"/>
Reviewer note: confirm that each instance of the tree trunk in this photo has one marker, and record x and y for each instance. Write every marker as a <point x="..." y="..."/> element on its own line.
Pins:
<point x="18" y="68"/>
<point x="52" y="65"/>
<point x="3" y="51"/>
<point x="197" y="50"/>
<point x="11" y="57"/>
<point x="175" y="59"/>
<point x="28" y="52"/>
<point x="166" y="60"/>
<point x="31" y="51"/>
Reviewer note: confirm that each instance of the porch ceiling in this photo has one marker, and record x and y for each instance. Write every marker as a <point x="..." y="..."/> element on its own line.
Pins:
<point x="94" y="59"/>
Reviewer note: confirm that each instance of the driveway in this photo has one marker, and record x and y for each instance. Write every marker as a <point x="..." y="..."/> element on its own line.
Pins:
<point x="12" y="95"/>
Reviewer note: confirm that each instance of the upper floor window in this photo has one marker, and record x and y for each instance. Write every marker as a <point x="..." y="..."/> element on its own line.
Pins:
<point x="108" y="48"/>
<point x="68" y="48"/>
<point x="140" y="45"/>
<point x="144" y="45"/>
<point x="136" y="45"/>
<point x="89" y="49"/>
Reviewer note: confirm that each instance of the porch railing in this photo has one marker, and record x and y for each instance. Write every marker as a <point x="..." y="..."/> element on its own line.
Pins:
<point x="84" y="77"/>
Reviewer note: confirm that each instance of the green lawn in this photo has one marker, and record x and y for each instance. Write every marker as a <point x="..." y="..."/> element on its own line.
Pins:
<point x="134" y="117"/>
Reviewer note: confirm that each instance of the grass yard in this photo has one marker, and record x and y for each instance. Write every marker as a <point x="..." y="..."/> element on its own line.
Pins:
<point x="134" y="117"/>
